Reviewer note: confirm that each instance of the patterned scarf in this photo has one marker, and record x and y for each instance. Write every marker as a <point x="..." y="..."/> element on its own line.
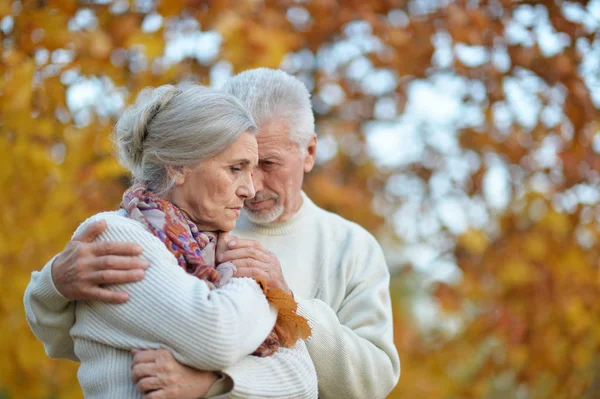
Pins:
<point x="193" y="249"/>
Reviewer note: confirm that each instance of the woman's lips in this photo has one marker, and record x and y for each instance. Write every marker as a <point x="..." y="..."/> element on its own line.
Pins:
<point x="237" y="211"/>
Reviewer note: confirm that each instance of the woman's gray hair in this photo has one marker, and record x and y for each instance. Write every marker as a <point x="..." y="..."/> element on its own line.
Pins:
<point x="271" y="94"/>
<point x="171" y="126"/>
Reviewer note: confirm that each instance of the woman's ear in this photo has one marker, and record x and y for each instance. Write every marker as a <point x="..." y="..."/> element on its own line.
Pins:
<point x="176" y="173"/>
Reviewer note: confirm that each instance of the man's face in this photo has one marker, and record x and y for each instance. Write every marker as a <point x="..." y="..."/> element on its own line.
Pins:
<point x="279" y="175"/>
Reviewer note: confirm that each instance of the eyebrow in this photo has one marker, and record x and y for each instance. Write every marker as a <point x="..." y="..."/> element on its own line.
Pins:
<point x="271" y="155"/>
<point x="243" y="161"/>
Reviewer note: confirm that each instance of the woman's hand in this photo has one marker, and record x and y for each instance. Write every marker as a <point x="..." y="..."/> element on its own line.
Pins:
<point x="158" y="375"/>
<point x="252" y="260"/>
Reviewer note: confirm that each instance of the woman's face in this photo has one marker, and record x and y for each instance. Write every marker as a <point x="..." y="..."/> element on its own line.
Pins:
<point x="212" y="194"/>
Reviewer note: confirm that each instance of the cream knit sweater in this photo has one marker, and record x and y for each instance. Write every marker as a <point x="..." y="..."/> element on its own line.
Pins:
<point x="204" y="329"/>
<point x="338" y="274"/>
<point x="340" y="279"/>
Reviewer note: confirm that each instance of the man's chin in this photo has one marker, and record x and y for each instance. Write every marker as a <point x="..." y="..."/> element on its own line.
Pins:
<point x="263" y="216"/>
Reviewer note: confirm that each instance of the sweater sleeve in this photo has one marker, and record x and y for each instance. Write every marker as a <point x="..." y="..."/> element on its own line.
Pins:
<point x="49" y="314"/>
<point x="353" y="349"/>
<point x="205" y="329"/>
<point x="288" y="373"/>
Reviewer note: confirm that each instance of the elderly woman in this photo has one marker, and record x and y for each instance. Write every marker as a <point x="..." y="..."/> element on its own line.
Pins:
<point x="191" y="152"/>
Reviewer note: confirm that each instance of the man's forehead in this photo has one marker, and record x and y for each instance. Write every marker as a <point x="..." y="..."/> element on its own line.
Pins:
<point x="273" y="141"/>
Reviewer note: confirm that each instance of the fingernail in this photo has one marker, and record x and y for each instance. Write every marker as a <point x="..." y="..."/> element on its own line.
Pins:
<point x="145" y="264"/>
<point x="139" y="273"/>
<point x="231" y="244"/>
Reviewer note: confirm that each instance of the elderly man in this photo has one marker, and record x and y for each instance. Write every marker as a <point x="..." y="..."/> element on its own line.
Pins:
<point x="334" y="268"/>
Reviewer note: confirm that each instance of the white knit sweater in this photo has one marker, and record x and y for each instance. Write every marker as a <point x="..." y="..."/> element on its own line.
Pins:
<point x="204" y="329"/>
<point x="340" y="279"/>
<point x="338" y="274"/>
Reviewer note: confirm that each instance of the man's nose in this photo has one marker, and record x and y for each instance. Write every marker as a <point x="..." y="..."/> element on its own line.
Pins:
<point x="257" y="179"/>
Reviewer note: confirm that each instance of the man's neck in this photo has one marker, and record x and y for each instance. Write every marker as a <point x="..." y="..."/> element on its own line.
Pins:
<point x="293" y="209"/>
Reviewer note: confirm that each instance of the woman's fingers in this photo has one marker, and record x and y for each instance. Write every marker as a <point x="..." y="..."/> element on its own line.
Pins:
<point x="245" y="253"/>
<point x="242" y="243"/>
<point x="223" y="239"/>
<point x="253" y="272"/>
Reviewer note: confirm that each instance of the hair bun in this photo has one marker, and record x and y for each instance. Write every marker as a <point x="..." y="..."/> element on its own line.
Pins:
<point x="132" y="128"/>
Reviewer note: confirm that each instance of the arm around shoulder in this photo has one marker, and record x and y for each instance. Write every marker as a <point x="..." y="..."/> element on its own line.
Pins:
<point x="204" y="329"/>
<point x="49" y="314"/>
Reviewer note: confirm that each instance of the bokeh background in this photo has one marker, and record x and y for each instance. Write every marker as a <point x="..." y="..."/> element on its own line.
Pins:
<point x="464" y="134"/>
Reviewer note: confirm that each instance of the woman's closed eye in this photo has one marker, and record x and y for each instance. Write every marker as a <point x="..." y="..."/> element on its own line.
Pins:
<point x="236" y="168"/>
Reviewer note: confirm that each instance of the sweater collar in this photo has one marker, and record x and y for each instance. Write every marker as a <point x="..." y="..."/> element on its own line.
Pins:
<point x="276" y="229"/>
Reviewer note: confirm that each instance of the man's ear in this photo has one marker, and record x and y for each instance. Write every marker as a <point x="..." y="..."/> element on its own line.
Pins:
<point x="311" y="154"/>
<point x="176" y="173"/>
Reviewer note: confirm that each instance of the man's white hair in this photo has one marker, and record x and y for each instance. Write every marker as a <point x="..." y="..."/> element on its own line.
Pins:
<point x="270" y="95"/>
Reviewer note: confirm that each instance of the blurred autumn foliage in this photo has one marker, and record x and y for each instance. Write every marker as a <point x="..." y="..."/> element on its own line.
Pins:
<point x="465" y="135"/>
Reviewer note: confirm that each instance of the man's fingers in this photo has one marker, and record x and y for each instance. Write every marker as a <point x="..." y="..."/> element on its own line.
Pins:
<point x="90" y="232"/>
<point x="149" y="384"/>
<point x="141" y="370"/>
<point x="244" y="253"/>
<point x="104" y="277"/>
<point x="116" y="248"/>
<point x="157" y="394"/>
<point x="146" y="356"/>
<point x="113" y="262"/>
<point x="104" y="295"/>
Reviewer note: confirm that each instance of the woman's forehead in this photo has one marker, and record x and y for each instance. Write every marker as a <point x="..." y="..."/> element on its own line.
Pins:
<point x="244" y="148"/>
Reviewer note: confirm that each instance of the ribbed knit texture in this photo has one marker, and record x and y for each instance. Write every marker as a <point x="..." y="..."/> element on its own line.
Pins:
<point x="204" y="329"/>
<point x="339" y="276"/>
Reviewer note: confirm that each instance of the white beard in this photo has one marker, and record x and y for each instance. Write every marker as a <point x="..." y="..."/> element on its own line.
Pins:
<point x="264" y="217"/>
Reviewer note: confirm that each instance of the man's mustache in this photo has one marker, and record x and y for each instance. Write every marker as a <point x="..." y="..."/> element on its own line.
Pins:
<point x="263" y="195"/>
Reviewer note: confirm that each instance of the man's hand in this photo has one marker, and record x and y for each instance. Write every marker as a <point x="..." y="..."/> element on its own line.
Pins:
<point x="158" y="375"/>
<point x="252" y="260"/>
<point x="81" y="269"/>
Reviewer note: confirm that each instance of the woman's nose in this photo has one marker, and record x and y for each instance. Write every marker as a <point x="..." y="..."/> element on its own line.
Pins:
<point x="246" y="190"/>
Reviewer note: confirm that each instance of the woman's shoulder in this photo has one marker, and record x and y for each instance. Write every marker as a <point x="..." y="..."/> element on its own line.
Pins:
<point x="114" y="220"/>
<point x="121" y="228"/>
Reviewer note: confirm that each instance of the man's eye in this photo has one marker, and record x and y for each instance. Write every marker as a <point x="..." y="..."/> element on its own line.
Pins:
<point x="267" y="163"/>
<point x="236" y="169"/>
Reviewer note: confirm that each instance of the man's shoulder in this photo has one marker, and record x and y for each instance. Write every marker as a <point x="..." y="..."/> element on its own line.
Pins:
<point x="340" y="226"/>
